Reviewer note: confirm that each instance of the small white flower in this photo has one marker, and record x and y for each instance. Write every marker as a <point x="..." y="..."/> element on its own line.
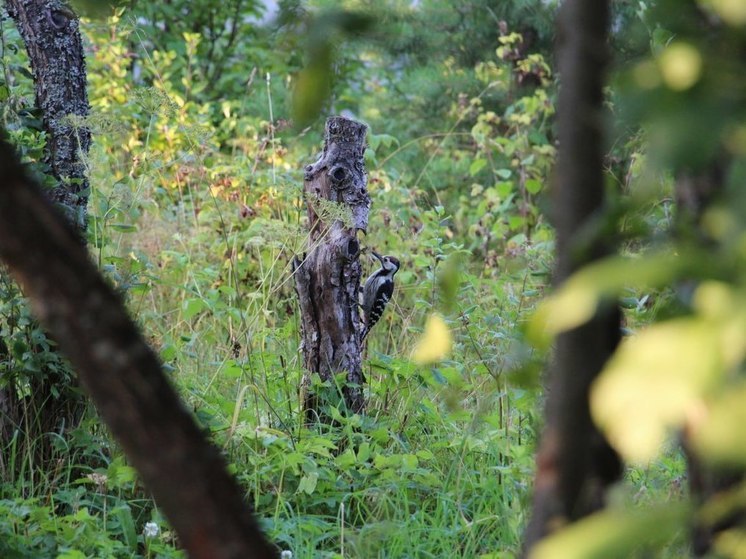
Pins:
<point x="151" y="530"/>
<point x="286" y="554"/>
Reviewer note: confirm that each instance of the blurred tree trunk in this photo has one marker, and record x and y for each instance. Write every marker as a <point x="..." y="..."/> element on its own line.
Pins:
<point x="186" y="474"/>
<point x="328" y="277"/>
<point x="575" y="464"/>
<point x="53" y="42"/>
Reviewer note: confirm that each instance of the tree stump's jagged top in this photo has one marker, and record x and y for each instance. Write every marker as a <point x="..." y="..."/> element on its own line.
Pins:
<point x="328" y="278"/>
<point x="345" y="180"/>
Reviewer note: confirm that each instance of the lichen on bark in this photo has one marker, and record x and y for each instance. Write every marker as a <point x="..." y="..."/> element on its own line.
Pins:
<point x="51" y="33"/>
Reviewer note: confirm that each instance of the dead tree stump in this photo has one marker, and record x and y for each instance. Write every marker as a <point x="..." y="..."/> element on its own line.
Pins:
<point x="327" y="279"/>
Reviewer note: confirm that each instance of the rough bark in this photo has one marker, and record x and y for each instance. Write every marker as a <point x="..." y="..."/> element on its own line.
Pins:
<point x="52" y="36"/>
<point x="574" y="461"/>
<point x="185" y="473"/>
<point x="328" y="277"/>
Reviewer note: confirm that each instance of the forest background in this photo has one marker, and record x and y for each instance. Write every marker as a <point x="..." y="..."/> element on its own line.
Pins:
<point x="203" y="117"/>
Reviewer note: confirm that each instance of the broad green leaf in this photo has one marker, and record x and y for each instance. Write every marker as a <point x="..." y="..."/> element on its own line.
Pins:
<point x="717" y="432"/>
<point x="191" y="307"/>
<point x="533" y="186"/>
<point x="612" y="533"/>
<point x="504" y="189"/>
<point x="476" y="166"/>
<point x="308" y="483"/>
<point x="449" y="280"/>
<point x="653" y="381"/>
<point x="127" y="524"/>
<point x="232" y="370"/>
<point x="575" y="302"/>
<point x="96" y="8"/>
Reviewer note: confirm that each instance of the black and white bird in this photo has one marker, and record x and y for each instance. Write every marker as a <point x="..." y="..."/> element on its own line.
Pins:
<point x="377" y="292"/>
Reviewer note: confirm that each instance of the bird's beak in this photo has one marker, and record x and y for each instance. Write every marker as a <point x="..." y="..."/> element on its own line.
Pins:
<point x="380" y="258"/>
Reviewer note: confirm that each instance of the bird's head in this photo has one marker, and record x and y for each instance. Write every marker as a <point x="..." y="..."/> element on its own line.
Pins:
<point x="388" y="263"/>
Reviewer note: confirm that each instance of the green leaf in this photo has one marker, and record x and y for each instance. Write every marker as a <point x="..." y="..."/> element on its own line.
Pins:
<point x="613" y="533"/>
<point x="96" y="8"/>
<point x="124" y="516"/>
<point x="191" y="307"/>
<point x="232" y="370"/>
<point x="662" y="373"/>
<point x="718" y="435"/>
<point x="308" y="483"/>
<point x="533" y="186"/>
<point x="575" y="302"/>
<point x="504" y="189"/>
<point x="476" y="166"/>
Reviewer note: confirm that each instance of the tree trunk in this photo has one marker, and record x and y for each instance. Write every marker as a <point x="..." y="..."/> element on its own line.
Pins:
<point x="55" y="49"/>
<point x="328" y="277"/>
<point x="52" y="36"/>
<point x="186" y="474"/>
<point x="575" y="463"/>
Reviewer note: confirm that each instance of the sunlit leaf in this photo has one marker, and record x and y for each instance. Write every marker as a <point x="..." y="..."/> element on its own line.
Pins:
<point x="653" y="380"/>
<point x="732" y="12"/>
<point x="612" y="533"/>
<point x="730" y="543"/>
<point x="681" y="65"/>
<point x="726" y="307"/>
<point x="575" y="302"/>
<point x="717" y="433"/>
<point x="435" y="343"/>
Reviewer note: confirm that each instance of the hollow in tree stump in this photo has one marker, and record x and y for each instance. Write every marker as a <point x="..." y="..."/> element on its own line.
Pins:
<point x="327" y="279"/>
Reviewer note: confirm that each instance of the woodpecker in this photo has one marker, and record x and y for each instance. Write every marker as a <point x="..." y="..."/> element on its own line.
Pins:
<point x="377" y="292"/>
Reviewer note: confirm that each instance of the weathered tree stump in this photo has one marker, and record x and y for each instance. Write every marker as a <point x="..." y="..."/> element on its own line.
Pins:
<point x="327" y="279"/>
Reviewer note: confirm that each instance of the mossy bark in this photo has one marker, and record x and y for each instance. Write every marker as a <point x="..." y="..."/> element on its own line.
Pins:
<point x="327" y="279"/>
<point x="51" y="33"/>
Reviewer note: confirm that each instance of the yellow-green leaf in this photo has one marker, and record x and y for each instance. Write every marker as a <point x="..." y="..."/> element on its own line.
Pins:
<point x="575" y="301"/>
<point x="612" y="533"/>
<point x="653" y="380"/>
<point x="717" y="432"/>
<point x="435" y="343"/>
<point x="681" y="65"/>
